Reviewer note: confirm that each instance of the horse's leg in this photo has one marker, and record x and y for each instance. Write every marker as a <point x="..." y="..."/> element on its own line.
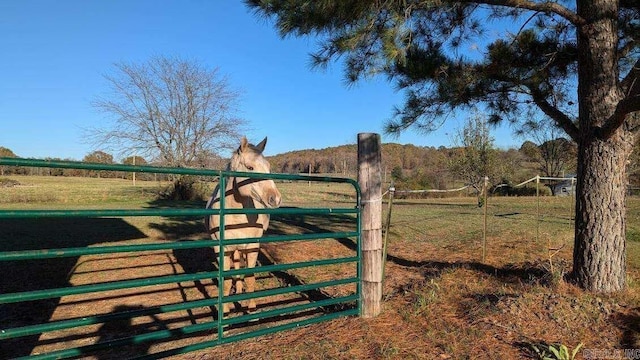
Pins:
<point x="237" y="264"/>
<point x="226" y="288"/>
<point x="250" y="279"/>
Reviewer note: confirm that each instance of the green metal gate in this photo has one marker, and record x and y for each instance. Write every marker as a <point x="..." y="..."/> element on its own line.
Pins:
<point x="341" y="306"/>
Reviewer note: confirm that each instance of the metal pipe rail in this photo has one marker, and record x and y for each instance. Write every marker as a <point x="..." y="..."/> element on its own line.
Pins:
<point x="222" y="323"/>
<point x="17" y="214"/>
<point x="193" y="244"/>
<point x="56" y="164"/>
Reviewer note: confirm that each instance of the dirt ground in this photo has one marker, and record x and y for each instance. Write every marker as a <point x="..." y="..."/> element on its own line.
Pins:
<point x="455" y="309"/>
<point x="449" y="308"/>
<point x="139" y="307"/>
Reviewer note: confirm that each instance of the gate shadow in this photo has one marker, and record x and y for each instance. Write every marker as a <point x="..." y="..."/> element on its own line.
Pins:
<point x="294" y="224"/>
<point x="27" y="275"/>
<point x="291" y="224"/>
<point x="123" y="328"/>
<point x="179" y="227"/>
<point x="201" y="260"/>
<point x="205" y="260"/>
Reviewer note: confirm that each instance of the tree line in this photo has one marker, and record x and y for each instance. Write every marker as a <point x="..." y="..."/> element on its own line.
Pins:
<point x="97" y="157"/>
<point x="410" y="167"/>
<point x="418" y="167"/>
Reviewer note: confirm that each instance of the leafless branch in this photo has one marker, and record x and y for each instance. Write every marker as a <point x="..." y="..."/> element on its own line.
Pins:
<point x="172" y="109"/>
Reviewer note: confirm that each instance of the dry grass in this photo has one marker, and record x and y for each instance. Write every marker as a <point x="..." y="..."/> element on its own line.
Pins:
<point x="440" y="300"/>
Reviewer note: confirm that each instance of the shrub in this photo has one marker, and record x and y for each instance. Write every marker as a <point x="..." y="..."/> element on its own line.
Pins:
<point x="185" y="188"/>
<point x="4" y="182"/>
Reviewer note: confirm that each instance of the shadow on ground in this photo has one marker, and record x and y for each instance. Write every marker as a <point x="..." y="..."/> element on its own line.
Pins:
<point x="27" y="275"/>
<point x="179" y="227"/>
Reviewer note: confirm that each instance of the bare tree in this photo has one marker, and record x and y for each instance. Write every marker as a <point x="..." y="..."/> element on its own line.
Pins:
<point x="169" y="109"/>
<point x="554" y="153"/>
<point x="476" y="156"/>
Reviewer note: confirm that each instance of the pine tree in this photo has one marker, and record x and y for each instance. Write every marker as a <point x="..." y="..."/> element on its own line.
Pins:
<point x="575" y="61"/>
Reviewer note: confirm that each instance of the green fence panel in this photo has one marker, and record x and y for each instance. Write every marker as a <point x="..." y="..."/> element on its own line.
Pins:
<point x="346" y="305"/>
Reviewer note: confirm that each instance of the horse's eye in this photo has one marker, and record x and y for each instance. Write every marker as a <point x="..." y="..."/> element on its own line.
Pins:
<point x="250" y="168"/>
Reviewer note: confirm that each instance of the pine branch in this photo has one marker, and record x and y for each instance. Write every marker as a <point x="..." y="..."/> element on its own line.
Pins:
<point x="545" y="7"/>
<point x="631" y="103"/>
<point x="558" y="116"/>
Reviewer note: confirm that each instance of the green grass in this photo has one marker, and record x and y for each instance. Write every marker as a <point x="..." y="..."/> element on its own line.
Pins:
<point x="51" y="191"/>
<point x="455" y="223"/>
<point x="513" y="233"/>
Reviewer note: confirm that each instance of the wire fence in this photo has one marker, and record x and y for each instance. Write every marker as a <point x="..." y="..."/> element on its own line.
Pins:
<point x="540" y="222"/>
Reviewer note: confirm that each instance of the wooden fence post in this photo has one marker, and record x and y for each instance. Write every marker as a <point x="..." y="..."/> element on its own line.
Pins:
<point x="387" y="227"/>
<point x="370" y="180"/>
<point x="537" y="208"/>
<point x="485" y="189"/>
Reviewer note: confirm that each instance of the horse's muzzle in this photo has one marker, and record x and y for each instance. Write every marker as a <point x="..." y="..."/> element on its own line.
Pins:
<point x="274" y="200"/>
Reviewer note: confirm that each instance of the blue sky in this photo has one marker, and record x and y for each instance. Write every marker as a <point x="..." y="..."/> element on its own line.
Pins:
<point x="55" y="53"/>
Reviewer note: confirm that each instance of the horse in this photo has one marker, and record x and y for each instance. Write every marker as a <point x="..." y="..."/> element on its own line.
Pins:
<point x="245" y="193"/>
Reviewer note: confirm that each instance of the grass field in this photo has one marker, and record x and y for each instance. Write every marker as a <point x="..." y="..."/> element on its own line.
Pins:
<point x="441" y="301"/>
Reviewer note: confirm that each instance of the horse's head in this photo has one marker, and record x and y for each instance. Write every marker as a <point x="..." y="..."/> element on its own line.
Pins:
<point x="249" y="158"/>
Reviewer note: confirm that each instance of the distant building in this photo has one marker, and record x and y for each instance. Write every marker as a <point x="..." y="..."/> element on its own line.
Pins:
<point x="565" y="187"/>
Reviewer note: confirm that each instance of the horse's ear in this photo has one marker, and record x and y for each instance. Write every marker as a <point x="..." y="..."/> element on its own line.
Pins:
<point x="262" y="145"/>
<point x="243" y="145"/>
